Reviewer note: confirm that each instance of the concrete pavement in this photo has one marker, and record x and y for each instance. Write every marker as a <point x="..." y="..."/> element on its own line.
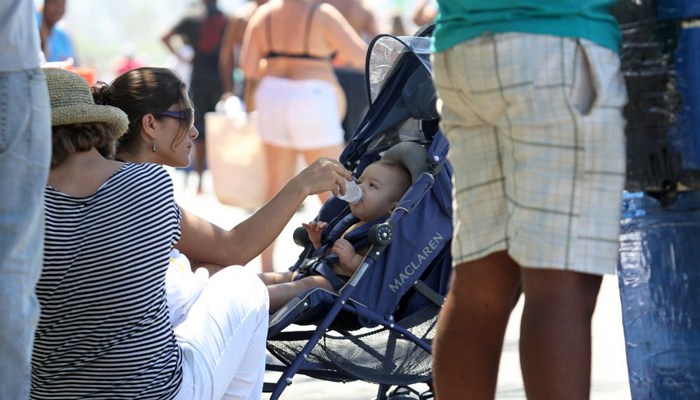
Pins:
<point x="609" y="377"/>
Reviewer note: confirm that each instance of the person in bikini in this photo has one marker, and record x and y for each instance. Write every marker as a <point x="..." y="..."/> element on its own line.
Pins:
<point x="289" y="46"/>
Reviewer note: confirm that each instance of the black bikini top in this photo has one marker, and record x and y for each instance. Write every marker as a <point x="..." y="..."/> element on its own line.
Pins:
<point x="305" y="54"/>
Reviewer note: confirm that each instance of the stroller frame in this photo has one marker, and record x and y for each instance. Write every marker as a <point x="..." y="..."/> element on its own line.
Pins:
<point x="380" y="237"/>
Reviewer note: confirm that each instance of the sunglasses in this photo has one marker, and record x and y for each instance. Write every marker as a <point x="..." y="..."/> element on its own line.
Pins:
<point x="184" y="115"/>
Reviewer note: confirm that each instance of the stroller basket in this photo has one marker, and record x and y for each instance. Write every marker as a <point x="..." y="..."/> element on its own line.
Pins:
<point x="377" y="355"/>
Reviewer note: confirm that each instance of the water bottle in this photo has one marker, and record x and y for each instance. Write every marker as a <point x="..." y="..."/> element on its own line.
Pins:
<point x="353" y="193"/>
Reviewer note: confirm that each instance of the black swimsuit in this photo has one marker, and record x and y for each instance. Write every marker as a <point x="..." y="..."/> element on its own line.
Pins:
<point x="305" y="54"/>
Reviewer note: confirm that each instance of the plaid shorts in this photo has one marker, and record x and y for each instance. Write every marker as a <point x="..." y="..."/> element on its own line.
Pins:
<point x="538" y="148"/>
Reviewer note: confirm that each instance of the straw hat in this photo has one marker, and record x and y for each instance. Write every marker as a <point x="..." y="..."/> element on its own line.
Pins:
<point x="72" y="103"/>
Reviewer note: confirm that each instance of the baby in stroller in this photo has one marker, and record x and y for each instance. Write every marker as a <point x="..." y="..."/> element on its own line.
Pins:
<point x="383" y="184"/>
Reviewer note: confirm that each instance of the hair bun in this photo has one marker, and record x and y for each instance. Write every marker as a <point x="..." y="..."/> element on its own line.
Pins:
<point x="102" y="93"/>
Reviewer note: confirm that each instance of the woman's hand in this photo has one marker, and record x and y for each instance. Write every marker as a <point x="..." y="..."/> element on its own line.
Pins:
<point x="324" y="175"/>
<point x="204" y="241"/>
<point x="314" y="230"/>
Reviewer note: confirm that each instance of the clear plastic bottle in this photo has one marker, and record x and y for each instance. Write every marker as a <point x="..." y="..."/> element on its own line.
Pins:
<point x="353" y="193"/>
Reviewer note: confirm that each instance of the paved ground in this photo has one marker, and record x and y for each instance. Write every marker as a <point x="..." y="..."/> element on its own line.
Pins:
<point x="609" y="381"/>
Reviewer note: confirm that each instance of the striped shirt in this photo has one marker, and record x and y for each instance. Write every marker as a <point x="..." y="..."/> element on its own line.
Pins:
<point x="104" y="331"/>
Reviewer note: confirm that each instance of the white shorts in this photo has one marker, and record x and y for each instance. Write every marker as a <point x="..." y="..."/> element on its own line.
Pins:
<point x="298" y="114"/>
<point x="538" y="148"/>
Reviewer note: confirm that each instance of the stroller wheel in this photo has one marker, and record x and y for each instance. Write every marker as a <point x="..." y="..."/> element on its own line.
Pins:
<point x="403" y="393"/>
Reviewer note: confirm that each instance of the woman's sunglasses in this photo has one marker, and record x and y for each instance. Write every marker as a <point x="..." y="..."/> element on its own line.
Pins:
<point x="185" y="115"/>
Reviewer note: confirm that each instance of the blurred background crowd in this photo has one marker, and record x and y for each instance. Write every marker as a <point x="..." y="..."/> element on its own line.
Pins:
<point x="105" y="36"/>
<point x="203" y="40"/>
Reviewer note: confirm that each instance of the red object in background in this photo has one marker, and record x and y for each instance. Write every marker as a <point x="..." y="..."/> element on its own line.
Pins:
<point x="127" y="64"/>
<point x="87" y="73"/>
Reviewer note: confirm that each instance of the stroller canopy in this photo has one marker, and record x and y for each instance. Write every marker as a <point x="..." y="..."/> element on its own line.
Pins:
<point x="401" y="93"/>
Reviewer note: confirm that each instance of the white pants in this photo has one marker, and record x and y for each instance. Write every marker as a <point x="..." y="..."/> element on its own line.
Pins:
<point x="223" y="338"/>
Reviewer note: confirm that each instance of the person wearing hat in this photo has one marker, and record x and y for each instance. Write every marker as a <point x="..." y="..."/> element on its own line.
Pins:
<point x="24" y="161"/>
<point x="149" y="95"/>
<point x="104" y="330"/>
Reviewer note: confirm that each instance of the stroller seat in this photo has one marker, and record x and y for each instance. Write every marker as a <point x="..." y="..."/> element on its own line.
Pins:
<point x="360" y="341"/>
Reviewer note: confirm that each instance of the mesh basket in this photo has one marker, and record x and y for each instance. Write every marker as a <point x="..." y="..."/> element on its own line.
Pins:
<point x="376" y="356"/>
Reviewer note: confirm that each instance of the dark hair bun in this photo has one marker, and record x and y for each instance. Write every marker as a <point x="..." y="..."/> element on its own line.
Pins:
<point x="102" y="93"/>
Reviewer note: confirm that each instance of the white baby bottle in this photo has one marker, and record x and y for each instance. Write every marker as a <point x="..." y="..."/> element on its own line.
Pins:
<point x="353" y="193"/>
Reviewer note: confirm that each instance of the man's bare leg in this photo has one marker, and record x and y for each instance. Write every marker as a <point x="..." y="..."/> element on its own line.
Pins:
<point x="555" y="333"/>
<point x="471" y="327"/>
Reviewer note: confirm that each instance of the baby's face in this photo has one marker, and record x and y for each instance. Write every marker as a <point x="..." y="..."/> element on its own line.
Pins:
<point x="378" y="186"/>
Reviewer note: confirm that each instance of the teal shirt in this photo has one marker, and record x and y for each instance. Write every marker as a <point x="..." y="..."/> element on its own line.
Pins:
<point x="460" y="20"/>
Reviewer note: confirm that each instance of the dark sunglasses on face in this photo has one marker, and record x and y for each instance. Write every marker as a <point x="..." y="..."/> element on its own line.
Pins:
<point x="184" y="115"/>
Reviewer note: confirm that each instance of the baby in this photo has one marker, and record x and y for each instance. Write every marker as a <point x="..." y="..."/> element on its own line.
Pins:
<point x="383" y="184"/>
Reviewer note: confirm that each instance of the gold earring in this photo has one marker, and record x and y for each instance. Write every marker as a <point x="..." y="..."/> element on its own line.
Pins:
<point x="154" y="146"/>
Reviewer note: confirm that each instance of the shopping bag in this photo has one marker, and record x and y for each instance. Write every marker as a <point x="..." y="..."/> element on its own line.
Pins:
<point x="236" y="159"/>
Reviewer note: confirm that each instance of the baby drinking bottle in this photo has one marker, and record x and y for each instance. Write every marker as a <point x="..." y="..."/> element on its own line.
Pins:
<point x="353" y="193"/>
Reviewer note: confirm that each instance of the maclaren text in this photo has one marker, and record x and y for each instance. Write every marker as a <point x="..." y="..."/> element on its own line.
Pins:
<point x="417" y="262"/>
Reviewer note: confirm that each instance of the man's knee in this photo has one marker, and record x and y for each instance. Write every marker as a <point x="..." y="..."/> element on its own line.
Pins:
<point x="492" y="282"/>
<point x="549" y="288"/>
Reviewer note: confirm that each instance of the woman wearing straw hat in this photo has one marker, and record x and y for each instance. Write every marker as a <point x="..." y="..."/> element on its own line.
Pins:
<point x="104" y="330"/>
<point x="148" y="94"/>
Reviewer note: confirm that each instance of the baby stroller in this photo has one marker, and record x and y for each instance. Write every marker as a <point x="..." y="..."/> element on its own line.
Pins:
<point x="379" y="326"/>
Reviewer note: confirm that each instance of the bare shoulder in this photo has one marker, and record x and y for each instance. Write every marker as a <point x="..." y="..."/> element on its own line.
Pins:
<point x="329" y="14"/>
<point x="365" y="8"/>
<point x="257" y="16"/>
<point x="260" y="12"/>
<point x="328" y="8"/>
<point x="246" y="11"/>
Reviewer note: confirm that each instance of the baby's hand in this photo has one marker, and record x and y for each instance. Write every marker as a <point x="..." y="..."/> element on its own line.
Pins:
<point x="344" y="250"/>
<point x="314" y="228"/>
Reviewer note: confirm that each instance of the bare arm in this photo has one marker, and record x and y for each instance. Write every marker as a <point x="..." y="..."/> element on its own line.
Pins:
<point x="44" y="33"/>
<point x="314" y="229"/>
<point x="205" y="242"/>
<point x="348" y="259"/>
<point x="343" y="38"/>
<point x="226" y="57"/>
<point x="167" y="41"/>
<point x="424" y="14"/>
<point x="370" y="27"/>
<point x="251" y="53"/>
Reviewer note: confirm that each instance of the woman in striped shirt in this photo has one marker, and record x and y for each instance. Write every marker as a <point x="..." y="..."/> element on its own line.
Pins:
<point x="150" y="94"/>
<point x="104" y="330"/>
